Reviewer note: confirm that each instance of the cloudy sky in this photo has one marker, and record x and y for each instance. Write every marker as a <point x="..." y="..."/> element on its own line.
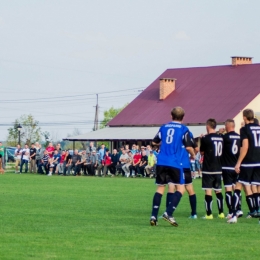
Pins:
<point x="57" y="54"/>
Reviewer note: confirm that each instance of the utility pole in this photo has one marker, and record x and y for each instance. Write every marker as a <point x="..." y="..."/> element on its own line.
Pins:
<point x="96" y="116"/>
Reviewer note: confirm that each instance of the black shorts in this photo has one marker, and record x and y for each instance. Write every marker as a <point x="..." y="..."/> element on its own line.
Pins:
<point x="211" y="181"/>
<point x="249" y="175"/>
<point x="187" y="175"/>
<point x="167" y="174"/>
<point x="229" y="177"/>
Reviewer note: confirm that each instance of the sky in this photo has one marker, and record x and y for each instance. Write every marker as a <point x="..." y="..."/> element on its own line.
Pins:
<point x="56" y="55"/>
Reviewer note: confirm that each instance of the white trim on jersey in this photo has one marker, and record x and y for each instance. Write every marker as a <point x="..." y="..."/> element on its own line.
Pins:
<point x="255" y="183"/>
<point x="211" y="172"/>
<point x="250" y="165"/>
<point x="244" y="182"/>
<point x="228" y="168"/>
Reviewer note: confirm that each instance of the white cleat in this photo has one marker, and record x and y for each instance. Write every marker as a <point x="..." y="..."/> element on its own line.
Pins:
<point x="229" y="216"/>
<point x="50" y="174"/>
<point x="232" y="220"/>
<point x="239" y="213"/>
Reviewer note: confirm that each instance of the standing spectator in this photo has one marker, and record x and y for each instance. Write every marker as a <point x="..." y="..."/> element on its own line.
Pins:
<point x="102" y="151"/>
<point x="87" y="164"/>
<point x="137" y="148"/>
<point x="44" y="163"/>
<point x="100" y="165"/>
<point x="136" y="162"/>
<point x="39" y="154"/>
<point x="2" y="152"/>
<point x="93" y="159"/>
<point x="123" y="160"/>
<point x="18" y="155"/>
<point x="1" y="166"/>
<point x="91" y="147"/>
<point x="50" y="149"/>
<point x="32" y="159"/>
<point x="67" y="163"/>
<point x="107" y="162"/>
<point x="127" y="168"/>
<point x="59" y="168"/>
<point x="142" y="164"/>
<point x="115" y="162"/>
<point x="25" y="158"/>
<point x="151" y="164"/>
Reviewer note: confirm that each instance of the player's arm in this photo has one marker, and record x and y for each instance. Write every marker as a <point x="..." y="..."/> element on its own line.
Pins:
<point x="243" y="149"/>
<point x="243" y="152"/>
<point x="202" y="146"/>
<point x="157" y="139"/>
<point x="188" y="143"/>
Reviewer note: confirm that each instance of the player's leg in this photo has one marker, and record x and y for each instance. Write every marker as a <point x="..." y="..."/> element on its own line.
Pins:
<point x="255" y="184"/>
<point x="175" y="176"/>
<point x="218" y="188"/>
<point x="243" y="181"/>
<point x="160" y="182"/>
<point x="207" y="185"/>
<point x="228" y="184"/>
<point x="192" y="195"/>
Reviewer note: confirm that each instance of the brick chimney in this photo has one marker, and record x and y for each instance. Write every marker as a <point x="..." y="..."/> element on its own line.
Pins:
<point x="241" y="60"/>
<point x="167" y="86"/>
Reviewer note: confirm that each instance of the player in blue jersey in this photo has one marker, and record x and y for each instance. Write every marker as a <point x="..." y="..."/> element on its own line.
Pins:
<point x="185" y="164"/>
<point x="171" y="138"/>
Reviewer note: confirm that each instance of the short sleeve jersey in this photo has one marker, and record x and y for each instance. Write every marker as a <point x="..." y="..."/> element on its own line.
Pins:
<point x="172" y="136"/>
<point x="212" y="146"/>
<point x="252" y="133"/>
<point x="231" y="149"/>
<point x="185" y="159"/>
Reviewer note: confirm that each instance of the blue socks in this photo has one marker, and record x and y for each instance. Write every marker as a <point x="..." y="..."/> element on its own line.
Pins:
<point x="176" y="197"/>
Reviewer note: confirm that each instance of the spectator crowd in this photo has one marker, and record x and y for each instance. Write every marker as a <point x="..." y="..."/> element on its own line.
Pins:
<point x="134" y="162"/>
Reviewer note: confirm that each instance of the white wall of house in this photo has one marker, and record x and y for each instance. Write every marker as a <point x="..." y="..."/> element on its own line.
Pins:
<point x="254" y="104"/>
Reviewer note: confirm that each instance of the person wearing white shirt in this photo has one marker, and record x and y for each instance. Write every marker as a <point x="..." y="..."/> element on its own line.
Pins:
<point x="18" y="154"/>
<point x="25" y="158"/>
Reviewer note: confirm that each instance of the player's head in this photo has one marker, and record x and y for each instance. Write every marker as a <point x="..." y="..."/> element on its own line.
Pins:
<point x="229" y="125"/>
<point x="248" y="115"/>
<point x="177" y="114"/>
<point x="211" y="125"/>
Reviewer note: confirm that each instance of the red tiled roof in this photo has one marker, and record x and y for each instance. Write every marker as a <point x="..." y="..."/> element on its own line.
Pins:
<point x="218" y="92"/>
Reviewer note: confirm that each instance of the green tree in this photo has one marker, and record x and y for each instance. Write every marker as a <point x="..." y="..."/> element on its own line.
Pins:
<point x="110" y="114"/>
<point x="30" y="132"/>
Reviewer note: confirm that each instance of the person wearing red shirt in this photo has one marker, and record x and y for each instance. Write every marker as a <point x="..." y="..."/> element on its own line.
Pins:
<point x="50" y="149"/>
<point x="59" y="168"/>
<point x="107" y="162"/>
<point x="136" y="162"/>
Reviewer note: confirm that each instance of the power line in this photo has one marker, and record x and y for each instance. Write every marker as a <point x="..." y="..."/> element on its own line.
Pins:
<point x="55" y="99"/>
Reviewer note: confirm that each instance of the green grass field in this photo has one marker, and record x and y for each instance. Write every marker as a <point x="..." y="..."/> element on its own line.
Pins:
<point x="108" y="218"/>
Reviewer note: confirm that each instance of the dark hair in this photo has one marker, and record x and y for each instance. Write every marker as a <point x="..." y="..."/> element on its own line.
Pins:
<point x="248" y="114"/>
<point x="177" y="113"/>
<point x="211" y="122"/>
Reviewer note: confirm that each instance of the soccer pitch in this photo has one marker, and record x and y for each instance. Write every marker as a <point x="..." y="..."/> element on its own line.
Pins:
<point x="108" y="218"/>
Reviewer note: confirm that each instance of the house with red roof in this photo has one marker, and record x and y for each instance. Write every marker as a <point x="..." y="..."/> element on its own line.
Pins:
<point x="220" y="92"/>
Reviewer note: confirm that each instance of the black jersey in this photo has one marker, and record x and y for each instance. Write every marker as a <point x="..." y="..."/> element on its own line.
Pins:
<point x="252" y="133"/>
<point x="212" y="146"/>
<point x="231" y="149"/>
